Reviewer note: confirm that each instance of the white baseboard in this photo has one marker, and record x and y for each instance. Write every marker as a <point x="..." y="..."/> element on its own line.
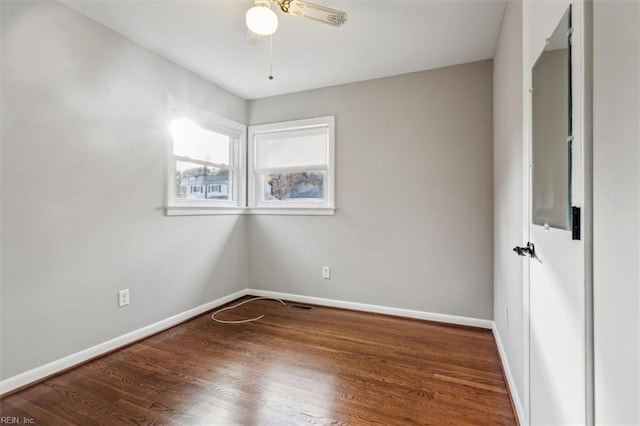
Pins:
<point x="510" y="380"/>
<point x="69" y="361"/>
<point x="399" y="312"/>
<point x="77" y="358"/>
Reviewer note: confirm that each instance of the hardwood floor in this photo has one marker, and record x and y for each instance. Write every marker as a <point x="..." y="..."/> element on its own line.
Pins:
<point x="325" y="366"/>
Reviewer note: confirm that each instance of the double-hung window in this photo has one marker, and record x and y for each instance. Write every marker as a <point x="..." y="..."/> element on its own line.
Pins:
<point x="206" y="162"/>
<point x="291" y="167"/>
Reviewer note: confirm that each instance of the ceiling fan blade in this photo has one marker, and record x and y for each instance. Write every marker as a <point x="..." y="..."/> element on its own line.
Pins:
<point x="313" y="11"/>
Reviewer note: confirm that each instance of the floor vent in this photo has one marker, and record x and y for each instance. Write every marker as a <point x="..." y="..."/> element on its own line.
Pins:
<point x="301" y="307"/>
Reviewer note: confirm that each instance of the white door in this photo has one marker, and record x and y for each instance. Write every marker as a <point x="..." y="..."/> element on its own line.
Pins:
<point x="556" y="332"/>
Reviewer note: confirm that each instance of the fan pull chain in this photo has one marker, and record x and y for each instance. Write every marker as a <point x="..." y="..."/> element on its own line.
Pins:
<point x="271" y="57"/>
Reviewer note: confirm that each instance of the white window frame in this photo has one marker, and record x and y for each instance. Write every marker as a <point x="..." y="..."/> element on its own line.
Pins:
<point x="293" y="207"/>
<point x="238" y="133"/>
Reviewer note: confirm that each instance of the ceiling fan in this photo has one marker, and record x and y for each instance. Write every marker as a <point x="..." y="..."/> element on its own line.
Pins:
<point x="262" y="21"/>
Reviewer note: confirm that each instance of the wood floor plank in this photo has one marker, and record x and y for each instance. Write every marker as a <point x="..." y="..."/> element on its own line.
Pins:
<point x="319" y="367"/>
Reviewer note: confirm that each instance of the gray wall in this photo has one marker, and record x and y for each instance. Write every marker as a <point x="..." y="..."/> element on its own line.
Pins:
<point x="616" y="235"/>
<point x="83" y="149"/>
<point x="414" y="225"/>
<point x="508" y="191"/>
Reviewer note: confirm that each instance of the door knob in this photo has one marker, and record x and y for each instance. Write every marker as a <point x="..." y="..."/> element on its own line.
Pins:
<point x="528" y="250"/>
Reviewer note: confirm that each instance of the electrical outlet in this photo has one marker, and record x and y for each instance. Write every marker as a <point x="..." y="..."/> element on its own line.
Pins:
<point x="326" y="272"/>
<point x="506" y="316"/>
<point x="123" y="298"/>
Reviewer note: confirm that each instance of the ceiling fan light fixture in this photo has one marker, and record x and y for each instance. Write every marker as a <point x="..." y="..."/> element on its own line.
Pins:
<point x="261" y="19"/>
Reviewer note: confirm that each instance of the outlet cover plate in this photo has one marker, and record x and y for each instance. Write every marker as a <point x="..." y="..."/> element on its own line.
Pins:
<point x="326" y="272"/>
<point x="123" y="298"/>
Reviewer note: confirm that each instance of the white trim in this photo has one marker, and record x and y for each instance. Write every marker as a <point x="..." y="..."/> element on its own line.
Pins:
<point x="203" y="211"/>
<point x="225" y="210"/>
<point x="526" y="207"/>
<point x="293" y="211"/>
<point x="509" y="376"/>
<point x="72" y="360"/>
<point x="399" y="312"/>
<point x="285" y="126"/>
<point x="587" y="214"/>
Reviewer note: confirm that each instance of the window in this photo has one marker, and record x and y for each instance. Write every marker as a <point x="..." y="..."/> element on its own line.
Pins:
<point x="291" y="167"/>
<point x="206" y="166"/>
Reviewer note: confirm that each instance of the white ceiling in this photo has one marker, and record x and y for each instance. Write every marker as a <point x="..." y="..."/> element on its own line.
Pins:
<point x="381" y="38"/>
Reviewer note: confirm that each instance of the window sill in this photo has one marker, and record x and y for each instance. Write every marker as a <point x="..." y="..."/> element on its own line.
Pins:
<point x="203" y="211"/>
<point x="282" y="211"/>
<point x="292" y="211"/>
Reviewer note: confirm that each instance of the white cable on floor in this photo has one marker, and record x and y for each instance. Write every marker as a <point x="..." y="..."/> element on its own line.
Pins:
<point x="228" y="308"/>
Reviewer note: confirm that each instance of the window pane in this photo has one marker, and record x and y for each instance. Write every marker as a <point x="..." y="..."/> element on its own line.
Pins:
<point x="292" y="148"/>
<point x="289" y="186"/>
<point x="194" y="141"/>
<point x="197" y="182"/>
